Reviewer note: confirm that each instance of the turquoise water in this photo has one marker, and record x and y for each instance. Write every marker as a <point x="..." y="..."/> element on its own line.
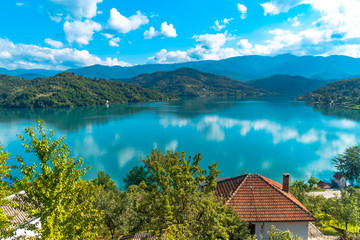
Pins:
<point x="265" y="136"/>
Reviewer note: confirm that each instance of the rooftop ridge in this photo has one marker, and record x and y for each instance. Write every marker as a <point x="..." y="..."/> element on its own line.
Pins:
<point x="296" y="203"/>
<point x="238" y="187"/>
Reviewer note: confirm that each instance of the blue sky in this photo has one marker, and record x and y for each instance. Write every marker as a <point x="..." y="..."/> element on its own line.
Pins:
<point x="62" y="34"/>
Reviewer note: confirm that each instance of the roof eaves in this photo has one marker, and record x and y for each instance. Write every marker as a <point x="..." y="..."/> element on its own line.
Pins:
<point x="281" y="192"/>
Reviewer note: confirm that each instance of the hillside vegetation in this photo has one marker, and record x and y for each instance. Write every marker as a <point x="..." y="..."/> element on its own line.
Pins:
<point x="191" y="82"/>
<point x="289" y="85"/>
<point x="344" y="93"/>
<point x="69" y="90"/>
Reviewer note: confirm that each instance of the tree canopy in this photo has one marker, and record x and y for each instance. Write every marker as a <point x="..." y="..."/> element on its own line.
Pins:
<point x="348" y="163"/>
<point x="54" y="189"/>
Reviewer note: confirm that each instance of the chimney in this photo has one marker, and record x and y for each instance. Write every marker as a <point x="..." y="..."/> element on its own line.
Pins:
<point x="286" y="177"/>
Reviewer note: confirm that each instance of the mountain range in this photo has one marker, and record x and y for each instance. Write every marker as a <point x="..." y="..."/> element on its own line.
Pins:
<point x="243" y="68"/>
<point x="191" y="82"/>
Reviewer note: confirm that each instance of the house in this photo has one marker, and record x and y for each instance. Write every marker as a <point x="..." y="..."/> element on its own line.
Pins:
<point x="340" y="180"/>
<point x="263" y="202"/>
<point x="20" y="218"/>
<point x="323" y="185"/>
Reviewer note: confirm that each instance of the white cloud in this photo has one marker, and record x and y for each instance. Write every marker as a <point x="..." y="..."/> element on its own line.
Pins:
<point x="294" y="21"/>
<point x="114" y="42"/>
<point x="342" y="17"/>
<point x="54" y="43"/>
<point x="5" y="55"/>
<point x="56" y="18"/>
<point x="108" y="35"/>
<point x="81" y="32"/>
<point x="165" y="56"/>
<point x="211" y="41"/>
<point x="270" y="8"/>
<point x="209" y="46"/>
<point x="20" y="4"/>
<point x="151" y="33"/>
<point x="221" y="24"/>
<point x="243" y="10"/>
<point x="275" y="7"/>
<point x="13" y="55"/>
<point x="123" y="24"/>
<point x="166" y="31"/>
<point x="79" y="8"/>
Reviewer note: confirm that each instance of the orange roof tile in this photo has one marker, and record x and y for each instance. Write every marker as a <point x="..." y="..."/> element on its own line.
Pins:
<point x="259" y="199"/>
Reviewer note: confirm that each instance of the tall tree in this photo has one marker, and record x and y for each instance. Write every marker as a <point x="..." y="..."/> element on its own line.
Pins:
<point x="136" y="176"/>
<point x="54" y="189"/>
<point x="5" y="221"/>
<point x="348" y="163"/>
<point x="175" y="201"/>
<point x="346" y="207"/>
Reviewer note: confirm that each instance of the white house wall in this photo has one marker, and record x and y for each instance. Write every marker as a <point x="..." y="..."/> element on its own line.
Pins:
<point x="299" y="229"/>
<point x="22" y="232"/>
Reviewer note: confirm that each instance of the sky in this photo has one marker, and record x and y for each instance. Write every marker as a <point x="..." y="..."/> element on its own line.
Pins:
<point x="63" y="34"/>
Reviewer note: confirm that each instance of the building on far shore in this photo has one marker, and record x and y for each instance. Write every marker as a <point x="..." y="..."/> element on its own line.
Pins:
<point x="323" y="185"/>
<point x="340" y="180"/>
<point x="263" y="202"/>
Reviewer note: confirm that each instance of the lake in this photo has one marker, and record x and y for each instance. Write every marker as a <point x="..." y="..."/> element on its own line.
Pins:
<point x="269" y="136"/>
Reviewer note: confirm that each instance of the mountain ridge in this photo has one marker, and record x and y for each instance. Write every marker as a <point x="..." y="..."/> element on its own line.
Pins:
<point x="243" y="68"/>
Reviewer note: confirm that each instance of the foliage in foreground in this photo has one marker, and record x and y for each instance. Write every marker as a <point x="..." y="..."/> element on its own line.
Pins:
<point x="171" y="201"/>
<point x="55" y="192"/>
<point x="276" y="234"/>
<point x="348" y="163"/>
<point x="5" y="221"/>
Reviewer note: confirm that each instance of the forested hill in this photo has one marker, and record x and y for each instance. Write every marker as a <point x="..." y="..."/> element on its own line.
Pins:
<point x="344" y="93"/>
<point x="67" y="90"/>
<point x="289" y="85"/>
<point x="191" y="82"/>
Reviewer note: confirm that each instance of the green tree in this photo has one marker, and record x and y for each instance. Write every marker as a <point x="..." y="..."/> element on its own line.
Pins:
<point x="136" y="176"/>
<point x="276" y="234"/>
<point x="312" y="182"/>
<point x="299" y="188"/>
<point x="174" y="200"/>
<point x="348" y="163"/>
<point x="346" y="207"/>
<point x="104" y="180"/>
<point x="54" y="189"/>
<point x="5" y="221"/>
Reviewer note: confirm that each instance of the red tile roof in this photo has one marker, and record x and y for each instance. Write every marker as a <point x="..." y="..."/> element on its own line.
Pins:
<point x="18" y="216"/>
<point x="259" y="199"/>
<point x="338" y="176"/>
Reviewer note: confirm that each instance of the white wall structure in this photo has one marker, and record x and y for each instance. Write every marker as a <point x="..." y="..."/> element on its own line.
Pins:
<point x="341" y="183"/>
<point x="299" y="229"/>
<point x="25" y="234"/>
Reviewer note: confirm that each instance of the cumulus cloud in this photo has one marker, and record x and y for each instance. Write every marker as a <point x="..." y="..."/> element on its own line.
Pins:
<point x="166" y="31"/>
<point x="79" y="8"/>
<point x="123" y="24"/>
<point x="165" y="56"/>
<point x="12" y="57"/>
<point x="81" y="32"/>
<point x="275" y="7"/>
<point x="53" y="43"/>
<point x="209" y="46"/>
<point x="242" y="9"/>
<point x="221" y="24"/>
<point x="294" y="21"/>
<point x="114" y="42"/>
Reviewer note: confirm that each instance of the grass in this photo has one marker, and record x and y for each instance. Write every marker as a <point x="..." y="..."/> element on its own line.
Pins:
<point x="327" y="220"/>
